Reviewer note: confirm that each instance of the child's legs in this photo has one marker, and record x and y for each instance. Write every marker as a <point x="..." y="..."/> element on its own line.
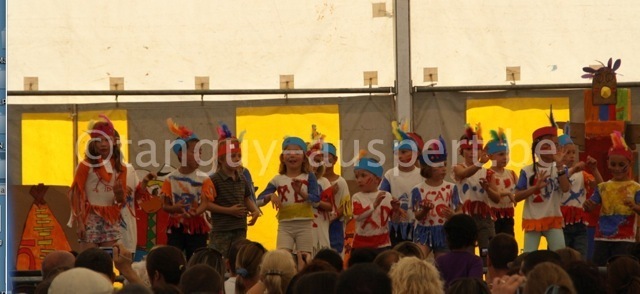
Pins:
<point x="504" y="225"/>
<point x="622" y="248"/>
<point x="194" y="242"/>
<point x="531" y="240"/>
<point x="336" y="235"/>
<point x="400" y="232"/>
<point x="591" y="234"/>
<point x="285" y="238"/>
<point x="221" y="241"/>
<point x="303" y="236"/>
<point x="100" y="232"/>
<point x="555" y="239"/>
<point x="575" y="236"/>
<point x="176" y="238"/>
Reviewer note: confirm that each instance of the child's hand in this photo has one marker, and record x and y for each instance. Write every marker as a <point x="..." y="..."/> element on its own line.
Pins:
<point x="296" y="184"/>
<point x="484" y="158"/>
<point x="238" y="211"/>
<point x="559" y="156"/>
<point x="254" y="217"/>
<point x="578" y="167"/>
<point x="275" y="201"/>
<point x="588" y="205"/>
<point x="379" y="199"/>
<point x="592" y="163"/>
<point x="447" y="212"/>
<point x="426" y="205"/>
<point x="484" y="183"/>
<point x="118" y="192"/>
<point x="266" y="198"/>
<point x="395" y="204"/>
<point x="510" y="195"/>
<point x="541" y="179"/>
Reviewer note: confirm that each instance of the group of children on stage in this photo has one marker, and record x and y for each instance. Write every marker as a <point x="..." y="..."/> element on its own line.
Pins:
<point x="410" y="202"/>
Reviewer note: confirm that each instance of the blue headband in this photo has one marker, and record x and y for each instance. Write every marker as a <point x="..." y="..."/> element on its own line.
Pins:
<point x="370" y="165"/>
<point x="496" y="146"/>
<point x="294" y="141"/>
<point x="436" y="153"/>
<point x="329" y="148"/>
<point x="179" y="142"/>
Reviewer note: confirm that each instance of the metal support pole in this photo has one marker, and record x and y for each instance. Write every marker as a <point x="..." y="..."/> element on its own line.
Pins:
<point x="402" y="39"/>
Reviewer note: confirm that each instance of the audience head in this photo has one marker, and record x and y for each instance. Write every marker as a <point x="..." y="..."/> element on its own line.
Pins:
<point x="72" y="280"/>
<point x="548" y="276"/>
<point x="210" y="257"/>
<point x="332" y="257"/>
<point x="135" y="289"/>
<point x="97" y="260"/>
<point x="201" y="278"/>
<point x="408" y="248"/>
<point x="468" y="285"/>
<point x="536" y="257"/>
<point x="503" y="249"/>
<point x="277" y="270"/>
<point x="317" y="283"/>
<point x="165" y="265"/>
<point x="387" y="259"/>
<point x="586" y="278"/>
<point x="461" y="231"/>
<point x="568" y="255"/>
<point x="363" y="278"/>
<point x="43" y="286"/>
<point x="516" y="265"/>
<point x="414" y="275"/>
<point x="248" y="262"/>
<point x="623" y="274"/>
<point x="55" y="259"/>
<point x="362" y="255"/>
<point x="230" y="260"/>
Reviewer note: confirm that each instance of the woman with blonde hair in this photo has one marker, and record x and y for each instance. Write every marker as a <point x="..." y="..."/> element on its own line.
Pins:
<point x="548" y="276"/>
<point x="413" y="275"/>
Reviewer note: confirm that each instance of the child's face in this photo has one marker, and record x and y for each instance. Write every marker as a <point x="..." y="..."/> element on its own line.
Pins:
<point x="547" y="147"/>
<point x="293" y="156"/>
<point x="104" y="145"/>
<point x="318" y="159"/>
<point x="191" y="157"/>
<point x="619" y="167"/>
<point x="439" y="171"/>
<point x="407" y="156"/>
<point x="367" y="182"/>
<point x="468" y="155"/>
<point x="232" y="161"/>
<point x="500" y="159"/>
<point x="570" y="157"/>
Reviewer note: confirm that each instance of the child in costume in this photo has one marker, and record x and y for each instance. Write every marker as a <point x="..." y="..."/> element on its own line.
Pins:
<point x="372" y="208"/>
<point x="292" y="193"/>
<point x="341" y="200"/>
<point x="401" y="179"/>
<point x="433" y="201"/>
<point x="575" y="229"/>
<point x="233" y="199"/>
<point x="187" y="192"/>
<point x="471" y="179"/>
<point x="620" y="196"/>
<point x="97" y="193"/>
<point x="501" y="183"/>
<point x="323" y="211"/>
<point x="541" y="186"/>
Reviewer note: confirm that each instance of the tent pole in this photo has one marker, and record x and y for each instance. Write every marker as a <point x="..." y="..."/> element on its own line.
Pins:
<point x="402" y="40"/>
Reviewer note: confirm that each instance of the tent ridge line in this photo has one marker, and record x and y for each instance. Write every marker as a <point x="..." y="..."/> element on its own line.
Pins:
<point x="384" y="90"/>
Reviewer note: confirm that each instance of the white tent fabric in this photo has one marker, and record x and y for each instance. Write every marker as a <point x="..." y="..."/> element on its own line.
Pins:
<point x="160" y="44"/>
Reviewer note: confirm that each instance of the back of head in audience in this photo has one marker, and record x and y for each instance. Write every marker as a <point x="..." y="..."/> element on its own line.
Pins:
<point x="363" y="278"/>
<point x="548" y="276"/>
<point x="568" y="255"/>
<point x="165" y="265"/>
<point x="201" y="278"/>
<point x="536" y="257"/>
<point x="468" y="285"/>
<point x="248" y="262"/>
<point x="43" y="287"/>
<point x="55" y="259"/>
<point x="623" y="274"/>
<point x="135" y="289"/>
<point x="233" y="254"/>
<point x="362" y="255"/>
<point x="164" y="288"/>
<point x="586" y="278"/>
<point x="97" y="260"/>
<point x="210" y="257"/>
<point x="414" y="275"/>
<point x="332" y="257"/>
<point x="276" y="271"/>
<point x="503" y="249"/>
<point x="387" y="259"/>
<point x="317" y="283"/>
<point x="81" y="279"/>
<point x="408" y="248"/>
<point x="461" y="231"/>
<point x="314" y="266"/>
<point x="516" y="264"/>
